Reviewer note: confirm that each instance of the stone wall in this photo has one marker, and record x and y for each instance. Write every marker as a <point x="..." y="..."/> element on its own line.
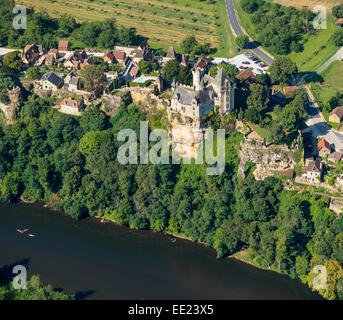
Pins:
<point x="146" y="97"/>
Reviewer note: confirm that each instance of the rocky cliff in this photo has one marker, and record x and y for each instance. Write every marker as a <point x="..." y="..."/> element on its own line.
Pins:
<point x="9" y="109"/>
<point x="269" y="160"/>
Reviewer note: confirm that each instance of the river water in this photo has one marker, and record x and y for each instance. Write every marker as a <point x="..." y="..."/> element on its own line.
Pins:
<point x="97" y="260"/>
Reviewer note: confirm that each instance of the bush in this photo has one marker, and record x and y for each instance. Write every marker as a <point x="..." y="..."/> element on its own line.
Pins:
<point x="338" y="37"/>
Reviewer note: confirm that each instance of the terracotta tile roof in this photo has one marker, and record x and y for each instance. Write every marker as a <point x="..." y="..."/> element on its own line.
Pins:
<point x="63" y="45"/>
<point x="288" y="173"/>
<point x="339" y="21"/>
<point x="119" y="55"/>
<point x="289" y="90"/>
<point x="70" y="103"/>
<point x="338" y="111"/>
<point x="109" y="55"/>
<point x="245" y="74"/>
<point x="202" y="63"/>
<point x="323" y="144"/>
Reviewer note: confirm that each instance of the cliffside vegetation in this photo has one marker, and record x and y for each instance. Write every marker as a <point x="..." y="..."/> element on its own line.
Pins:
<point x="47" y="155"/>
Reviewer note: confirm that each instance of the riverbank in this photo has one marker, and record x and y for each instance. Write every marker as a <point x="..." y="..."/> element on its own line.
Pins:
<point x="242" y="256"/>
<point x="98" y="260"/>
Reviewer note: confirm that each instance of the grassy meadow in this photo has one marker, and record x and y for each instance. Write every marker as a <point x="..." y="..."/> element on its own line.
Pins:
<point x="164" y="22"/>
<point x="332" y="82"/>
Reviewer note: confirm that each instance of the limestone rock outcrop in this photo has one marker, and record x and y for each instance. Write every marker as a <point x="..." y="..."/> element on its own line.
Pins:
<point x="9" y="109"/>
<point x="268" y="159"/>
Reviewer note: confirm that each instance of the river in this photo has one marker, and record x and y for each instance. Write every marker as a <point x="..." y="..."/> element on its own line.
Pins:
<point x="97" y="260"/>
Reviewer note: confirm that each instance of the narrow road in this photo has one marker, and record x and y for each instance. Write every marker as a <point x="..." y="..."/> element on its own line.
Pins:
<point x="316" y="123"/>
<point x="318" y="126"/>
<point x="236" y="27"/>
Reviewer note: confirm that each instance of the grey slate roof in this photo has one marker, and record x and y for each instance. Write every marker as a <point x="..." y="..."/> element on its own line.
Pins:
<point x="52" y="78"/>
<point x="314" y="166"/>
<point x="186" y="96"/>
<point x="218" y="80"/>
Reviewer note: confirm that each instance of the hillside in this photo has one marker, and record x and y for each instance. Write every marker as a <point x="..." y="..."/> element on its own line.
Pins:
<point x="164" y="22"/>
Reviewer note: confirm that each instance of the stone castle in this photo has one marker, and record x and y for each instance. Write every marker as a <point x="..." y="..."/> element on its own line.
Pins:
<point x="206" y="93"/>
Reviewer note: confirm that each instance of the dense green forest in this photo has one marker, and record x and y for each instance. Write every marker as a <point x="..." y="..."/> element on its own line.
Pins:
<point x="43" y="157"/>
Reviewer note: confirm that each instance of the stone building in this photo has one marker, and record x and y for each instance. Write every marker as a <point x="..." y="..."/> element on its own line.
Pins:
<point x="70" y="106"/>
<point x="206" y="93"/>
<point x="324" y="148"/>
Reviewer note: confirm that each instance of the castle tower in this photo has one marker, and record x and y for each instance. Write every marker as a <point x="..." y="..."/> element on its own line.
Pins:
<point x="196" y="79"/>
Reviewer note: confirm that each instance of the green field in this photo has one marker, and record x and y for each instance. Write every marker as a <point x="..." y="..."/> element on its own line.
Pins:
<point x="332" y="82"/>
<point x="164" y="22"/>
<point x="318" y="47"/>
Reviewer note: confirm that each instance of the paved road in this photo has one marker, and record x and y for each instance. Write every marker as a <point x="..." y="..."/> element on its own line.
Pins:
<point x="316" y="124"/>
<point x="233" y="20"/>
<point x="319" y="128"/>
<point x="337" y="55"/>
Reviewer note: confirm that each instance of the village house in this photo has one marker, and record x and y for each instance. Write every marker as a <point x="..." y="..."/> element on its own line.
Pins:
<point x="77" y="60"/>
<point x="172" y="55"/>
<point x="64" y="45"/>
<point x="120" y="57"/>
<point x="324" y="148"/>
<point x="133" y="73"/>
<point x="32" y="53"/>
<point x="52" y="56"/>
<point x="248" y="76"/>
<point x="51" y="81"/>
<point x="127" y="49"/>
<point x="71" y="82"/>
<point x="290" y="91"/>
<point x="70" y="106"/>
<point x="335" y="157"/>
<point x="313" y="171"/>
<point x="202" y="64"/>
<point x="339" y="23"/>
<point x="109" y="57"/>
<point x="336" y="115"/>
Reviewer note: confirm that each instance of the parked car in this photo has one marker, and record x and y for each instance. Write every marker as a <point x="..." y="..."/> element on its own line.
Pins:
<point x="260" y="70"/>
<point x="246" y="62"/>
<point x="240" y="67"/>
